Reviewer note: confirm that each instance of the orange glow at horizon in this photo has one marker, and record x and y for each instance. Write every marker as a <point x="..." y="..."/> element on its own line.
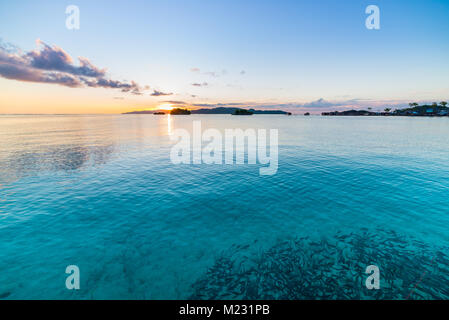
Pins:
<point x="165" y="106"/>
<point x="35" y="98"/>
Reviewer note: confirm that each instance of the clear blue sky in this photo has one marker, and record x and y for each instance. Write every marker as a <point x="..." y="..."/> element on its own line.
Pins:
<point x="291" y="52"/>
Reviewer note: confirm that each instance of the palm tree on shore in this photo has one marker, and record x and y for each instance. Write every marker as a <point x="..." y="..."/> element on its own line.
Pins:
<point x="387" y="110"/>
<point x="443" y="104"/>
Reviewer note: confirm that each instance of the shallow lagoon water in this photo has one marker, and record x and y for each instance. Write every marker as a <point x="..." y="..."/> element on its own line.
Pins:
<point x="100" y="192"/>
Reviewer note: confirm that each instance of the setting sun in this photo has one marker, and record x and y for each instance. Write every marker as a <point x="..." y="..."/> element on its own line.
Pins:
<point x="165" y="106"/>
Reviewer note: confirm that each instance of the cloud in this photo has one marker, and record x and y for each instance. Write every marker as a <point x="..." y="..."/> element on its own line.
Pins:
<point x="132" y="87"/>
<point x="175" y="102"/>
<point x="215" y="105"/>
<point x="55" y="59"/>
<point x="325" y="105"/>
<point x="213" y="74"/>
<point x="51" y="64"/>
<point x="321" y="103"/>
<point x="315" y="106"/>
<point x="157" y="93"/>
<point x="204" y="84"/>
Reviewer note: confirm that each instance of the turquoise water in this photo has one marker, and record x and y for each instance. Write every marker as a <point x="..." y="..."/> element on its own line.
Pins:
<point x="101" y="193"/>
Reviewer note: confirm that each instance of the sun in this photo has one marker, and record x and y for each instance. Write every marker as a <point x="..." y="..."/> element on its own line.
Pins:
<point x="165" y="106"/>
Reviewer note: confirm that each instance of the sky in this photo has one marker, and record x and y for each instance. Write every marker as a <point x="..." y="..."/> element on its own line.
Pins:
<point x="293" y="55"/>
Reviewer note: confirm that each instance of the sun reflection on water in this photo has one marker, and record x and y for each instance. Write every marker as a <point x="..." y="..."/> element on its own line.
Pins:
<point x="169" y="125"/>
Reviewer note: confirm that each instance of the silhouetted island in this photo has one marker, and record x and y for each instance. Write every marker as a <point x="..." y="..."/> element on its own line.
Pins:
<point x="415" y="110"/>
<point x="218" y="110"/>
<point x="144" y="112"/>
<point x="242" y="112"/>
<point x="232" y="110"/>
<point x="179" y="111"/>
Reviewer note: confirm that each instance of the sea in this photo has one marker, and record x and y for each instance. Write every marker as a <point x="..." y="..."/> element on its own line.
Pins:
<point x="354" y="199"/>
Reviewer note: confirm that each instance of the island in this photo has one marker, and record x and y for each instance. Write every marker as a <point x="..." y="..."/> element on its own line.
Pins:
<point x="159" y="113"/>
<point x="242" y="112"/>
<point x="180" y="111"/>
<point x="142" y="112"/>
<point x="232" y="110"/>
<point x="218" y="110"/>
<point x="414" y="110"/>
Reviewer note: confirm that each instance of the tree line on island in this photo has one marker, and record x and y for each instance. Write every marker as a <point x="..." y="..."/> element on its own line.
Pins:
<point x="414" y="110"/>
<point x="218" y="110"/>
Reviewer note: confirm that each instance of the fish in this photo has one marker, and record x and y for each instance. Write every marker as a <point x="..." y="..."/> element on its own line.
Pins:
<point x="5" y="295"/>
<point x="328" y="269"/>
